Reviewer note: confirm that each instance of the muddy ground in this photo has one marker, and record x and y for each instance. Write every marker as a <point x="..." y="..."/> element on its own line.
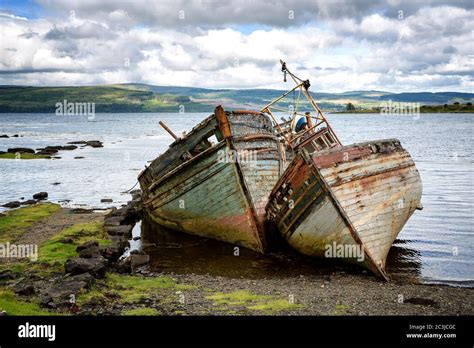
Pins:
<point x="25" y="284"/>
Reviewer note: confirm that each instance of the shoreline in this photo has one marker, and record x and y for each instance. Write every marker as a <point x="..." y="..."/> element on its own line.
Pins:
<point x="38" y="287"/>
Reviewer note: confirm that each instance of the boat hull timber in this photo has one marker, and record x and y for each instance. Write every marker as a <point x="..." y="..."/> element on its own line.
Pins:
<point x="350" y="198"/>
<point x="219" y="190"/>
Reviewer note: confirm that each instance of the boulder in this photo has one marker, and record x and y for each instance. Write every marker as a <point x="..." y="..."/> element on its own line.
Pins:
<point x="89" y="250"/>
<point x="121" y="241"/>
<point x="14" y="204"/>
<point x="24" y="289"/>
<point x="58" y="292"/>
<point x="138" y="258"/>
<point x="77" y="265"/>
<point x="106" y="200"/>
<point x="111" y="252"/>
<point x="122" y="230"/>
<point x="86" y="278"/>
<point x="124" y="265"/>
<point x="47" y="301"/>
<point x="7" y="275"/>
<point x="4" y="136"/>
<point x="40" y="195"/>
<point x="113" y="221"/>
<point x="87" y="245"/>
<point x="20" y="150"/>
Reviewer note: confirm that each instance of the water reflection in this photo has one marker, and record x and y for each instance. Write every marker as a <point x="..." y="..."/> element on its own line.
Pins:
<point x="403" y="262"/>
<point x="181" y="253"/>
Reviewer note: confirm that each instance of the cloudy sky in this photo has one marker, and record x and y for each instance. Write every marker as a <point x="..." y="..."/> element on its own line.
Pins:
<point x="392" y="45"/>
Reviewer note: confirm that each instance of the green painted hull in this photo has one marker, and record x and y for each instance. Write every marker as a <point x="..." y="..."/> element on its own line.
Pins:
<point x="213" y="194"/>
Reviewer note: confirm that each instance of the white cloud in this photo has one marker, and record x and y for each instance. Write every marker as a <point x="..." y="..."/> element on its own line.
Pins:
<point x="102" y="43"/>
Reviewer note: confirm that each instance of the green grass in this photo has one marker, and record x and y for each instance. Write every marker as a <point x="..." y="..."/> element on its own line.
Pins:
<point x="86" y="297"/>
<point x="54" y="251"/>
<point x="23" y="156"/>
<point x="17" y="221"/>
<point x="236" y="298"/>
<point x="141" y="311"/>
<point x="128" y="289"/>
<point x="14" y="306"/>
<point x="133" y="288"/>
<point x="275" y="306"/>
<point x="252" y="301"/>
<point x="341" y="309"/>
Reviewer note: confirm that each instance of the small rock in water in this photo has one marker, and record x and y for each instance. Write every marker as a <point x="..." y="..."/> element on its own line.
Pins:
<point x="56" y="183"/>
<point x="106" y="200"/>
<point x="14" y="204"/>
<point x="29" y="202"/>
<point x="79" y="157"/>
<point x="69" y="147"/>
<point x="48" y="150"/>
<point x="15" y="136"/>
<point x="4" y="136"/>
<point x="20" y="150"/>
<point x="40" y="195"/>
<point x="95" y="143"/>
<point x="137" y="238"/>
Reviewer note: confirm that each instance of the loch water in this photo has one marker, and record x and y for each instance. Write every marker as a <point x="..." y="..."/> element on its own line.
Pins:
<point x="435" y="246"/>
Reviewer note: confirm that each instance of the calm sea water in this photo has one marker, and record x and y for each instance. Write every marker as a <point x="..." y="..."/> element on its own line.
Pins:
<point x="437" y="243"/>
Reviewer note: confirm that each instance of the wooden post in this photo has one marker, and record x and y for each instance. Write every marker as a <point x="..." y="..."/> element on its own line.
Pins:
<point x="162" y="124"/>
<point x="223" y="122"/>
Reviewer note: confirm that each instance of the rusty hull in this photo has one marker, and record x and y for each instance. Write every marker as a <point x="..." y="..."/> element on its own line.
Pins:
<point x="360" y="195"/>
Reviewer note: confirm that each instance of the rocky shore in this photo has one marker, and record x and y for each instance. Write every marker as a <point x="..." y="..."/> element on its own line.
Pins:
<point x="83" y="267"/>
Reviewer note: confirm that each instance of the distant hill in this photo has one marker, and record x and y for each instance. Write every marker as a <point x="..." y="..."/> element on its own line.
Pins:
<point x="132" y="97"/>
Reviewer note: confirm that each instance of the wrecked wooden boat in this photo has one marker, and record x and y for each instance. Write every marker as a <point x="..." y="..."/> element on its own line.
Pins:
<point x="217" y="190"/>
<point x="348" y="202"/>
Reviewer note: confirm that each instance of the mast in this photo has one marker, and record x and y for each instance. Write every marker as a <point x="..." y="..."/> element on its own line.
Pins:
<point x="302" y="86"/>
